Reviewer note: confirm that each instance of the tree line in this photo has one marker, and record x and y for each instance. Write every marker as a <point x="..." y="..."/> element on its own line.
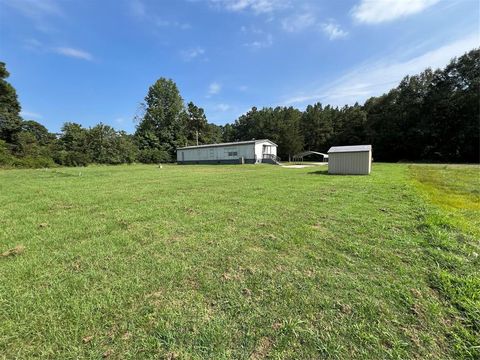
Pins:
<point x="432" y="116"/>
<point x="164" y="124"/>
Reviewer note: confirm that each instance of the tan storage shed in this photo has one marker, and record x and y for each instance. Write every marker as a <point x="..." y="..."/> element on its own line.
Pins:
<point x="350" y="160"/>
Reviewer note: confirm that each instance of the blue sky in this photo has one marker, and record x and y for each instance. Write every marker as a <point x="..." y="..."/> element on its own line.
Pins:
<point x="92" y="61"/>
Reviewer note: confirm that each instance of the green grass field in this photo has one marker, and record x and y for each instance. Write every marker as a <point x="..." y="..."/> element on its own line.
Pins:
<point x="194" y="262"/>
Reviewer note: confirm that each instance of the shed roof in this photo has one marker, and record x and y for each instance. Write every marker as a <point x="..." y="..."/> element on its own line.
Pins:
<point x="351" y="148"/>
<point x="227" y="144"/>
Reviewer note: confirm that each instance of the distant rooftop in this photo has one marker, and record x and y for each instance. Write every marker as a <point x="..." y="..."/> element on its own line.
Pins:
<point x="351" y="148"/>
<point x="227" y="144"/>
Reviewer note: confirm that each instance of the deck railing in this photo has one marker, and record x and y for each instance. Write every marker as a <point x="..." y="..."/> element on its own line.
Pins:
<point x="272" y="157"/>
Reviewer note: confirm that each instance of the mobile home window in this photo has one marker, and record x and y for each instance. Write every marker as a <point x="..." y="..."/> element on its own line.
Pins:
<point x="232" y="153"/>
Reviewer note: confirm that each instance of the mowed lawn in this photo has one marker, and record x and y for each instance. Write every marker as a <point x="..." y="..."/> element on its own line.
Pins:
<point x="252" y="261"/>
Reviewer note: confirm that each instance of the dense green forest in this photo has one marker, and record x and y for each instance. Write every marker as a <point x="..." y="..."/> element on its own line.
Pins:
<point x="432" y="116"/>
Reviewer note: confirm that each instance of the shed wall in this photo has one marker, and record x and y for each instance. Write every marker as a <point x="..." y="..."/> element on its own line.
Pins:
<point x="354" y="163"/>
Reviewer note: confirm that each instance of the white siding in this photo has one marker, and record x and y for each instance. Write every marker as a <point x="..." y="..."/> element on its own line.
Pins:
<point x="259" y="148"/>
<point x="258" y="151"/>
<point x="354" y="163"/>
<point x="217" y="153"/>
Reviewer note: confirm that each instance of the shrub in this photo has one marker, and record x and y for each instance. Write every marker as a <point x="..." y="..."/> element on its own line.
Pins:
<point x="71" y="158"/>
<point x="33" y="162"/>
<point x="6" y="158"/>
<point x="153" y="156"/>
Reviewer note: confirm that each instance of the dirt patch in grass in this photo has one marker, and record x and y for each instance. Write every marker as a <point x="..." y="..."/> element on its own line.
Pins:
<point x="262" y="349"/>
<point x="87" y="339"/>
<point x="17" y="250"/>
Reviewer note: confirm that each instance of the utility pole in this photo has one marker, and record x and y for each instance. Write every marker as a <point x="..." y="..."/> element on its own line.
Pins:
<point x="192" y="119"/>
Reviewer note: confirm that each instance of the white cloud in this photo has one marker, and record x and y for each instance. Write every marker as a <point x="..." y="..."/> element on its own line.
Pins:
<point x="263" y="40"/>
<point x="33" y="45"/>
<point x="139" y="10"/>
<point x="74" y="53"/>
<point x="378" y="11"/>
<point x="333" y="31"/>
<point x="183" y="26"/>
<point x="304" y="21"/>
<point x="260" y="44"/>
<point x="30" y="115"/>
<point x="257" y="6"/>
<point x="222" y="107"/>
<point x="251" y="30"/>
<point x="191" y="54"/>
<point x="34" y="9"/>
<point x="174" y="24"/>
<point x="161" y="22"/>
<point x="375" y="78"/>
<point x="39" y="47"/>
<point x="41" y="12"/>
<point x="298" y="22"/>
<point x="214" y="88"/>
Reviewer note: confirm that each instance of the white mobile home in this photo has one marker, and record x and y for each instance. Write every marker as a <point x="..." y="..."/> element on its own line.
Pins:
<point x="241" y="152"/>
<point x="350" y="160"/>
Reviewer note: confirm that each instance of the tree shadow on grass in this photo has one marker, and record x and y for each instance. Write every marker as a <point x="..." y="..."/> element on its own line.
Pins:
<point x="319" y="172"/>
<point x="64" y="174"/>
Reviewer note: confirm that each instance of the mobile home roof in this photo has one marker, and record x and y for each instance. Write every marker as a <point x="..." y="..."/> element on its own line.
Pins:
<point x="352" y="148"/>
<point x="226" y="144"/>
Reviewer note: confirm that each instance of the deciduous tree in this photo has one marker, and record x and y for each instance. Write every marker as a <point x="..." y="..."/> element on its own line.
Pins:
<point x="10" y="120"/>
<point x="162" y="117"/>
